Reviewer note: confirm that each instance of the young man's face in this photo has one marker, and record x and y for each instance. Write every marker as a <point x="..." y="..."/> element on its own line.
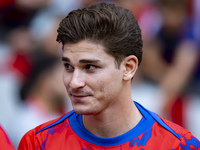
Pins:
<point x="91" y="78"/>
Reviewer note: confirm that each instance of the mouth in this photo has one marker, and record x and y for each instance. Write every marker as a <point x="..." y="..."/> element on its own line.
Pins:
<point x="78" y="97"/>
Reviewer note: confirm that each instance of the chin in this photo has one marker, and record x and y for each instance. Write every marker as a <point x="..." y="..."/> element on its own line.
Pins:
<point x="84" y="108"/>
<point x="84" y="111"/>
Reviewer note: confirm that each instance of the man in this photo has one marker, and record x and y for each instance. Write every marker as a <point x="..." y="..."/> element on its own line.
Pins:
<point x="102" y="49"/>
<point x="5" y="143"/>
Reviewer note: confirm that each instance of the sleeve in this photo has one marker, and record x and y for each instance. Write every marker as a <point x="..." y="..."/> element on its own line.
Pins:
<point x="5" y="143"/>
<point x="28" y="141"/>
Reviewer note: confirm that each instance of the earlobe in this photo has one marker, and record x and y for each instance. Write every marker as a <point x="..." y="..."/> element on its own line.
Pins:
<point x="130" y="67"/>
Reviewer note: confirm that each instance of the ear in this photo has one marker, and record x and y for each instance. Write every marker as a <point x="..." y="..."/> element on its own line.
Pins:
<point x="130" y="67"/>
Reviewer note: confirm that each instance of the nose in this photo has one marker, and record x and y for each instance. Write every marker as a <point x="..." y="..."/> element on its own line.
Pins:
<point x="77" y="80"/>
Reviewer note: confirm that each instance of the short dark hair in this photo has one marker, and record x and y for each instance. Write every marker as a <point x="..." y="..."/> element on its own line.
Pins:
<point x="112" y="26"/>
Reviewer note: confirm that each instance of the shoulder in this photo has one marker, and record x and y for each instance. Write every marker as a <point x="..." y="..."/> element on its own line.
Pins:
<point x="171" y="131"/>
<point x="30" y="137"/>
<point x="53" y="123"/>
<point x="173" y="135"/>
<point x="181" y="136"/>
<point x="175" y="127"/>
<point x="174" y="132"/>
<point x="187" y="140"/>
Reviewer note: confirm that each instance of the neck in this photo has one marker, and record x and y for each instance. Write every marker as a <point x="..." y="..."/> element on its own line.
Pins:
<point x="113" y="122"/>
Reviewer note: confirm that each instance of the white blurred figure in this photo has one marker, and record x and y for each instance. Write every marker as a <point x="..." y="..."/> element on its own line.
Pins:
<point x="9" y="84"/>
<point x="12" y="72"/>
<point x="193" y="106"/>
<point x="44" y="98"/>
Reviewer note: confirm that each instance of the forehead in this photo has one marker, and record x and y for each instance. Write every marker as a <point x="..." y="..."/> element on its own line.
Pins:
<point x="82" y="46"/>
<point x="85" y="50"/>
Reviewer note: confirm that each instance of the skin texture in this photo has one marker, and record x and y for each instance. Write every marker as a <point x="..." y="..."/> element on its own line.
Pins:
<point x="99" y="90"/>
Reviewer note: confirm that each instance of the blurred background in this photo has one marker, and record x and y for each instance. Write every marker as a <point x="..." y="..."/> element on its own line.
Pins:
<point x="31" y="87"/>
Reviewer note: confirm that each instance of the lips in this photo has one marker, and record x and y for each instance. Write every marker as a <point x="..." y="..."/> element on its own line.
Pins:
<point x="78" y="98"/>
<point x="78" y="95"/>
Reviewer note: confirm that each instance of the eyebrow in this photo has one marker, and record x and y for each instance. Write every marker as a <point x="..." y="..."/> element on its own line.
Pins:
<point x="89" y="61"/>
<point x="65" y="59"/>
<point x="83" y="61"/>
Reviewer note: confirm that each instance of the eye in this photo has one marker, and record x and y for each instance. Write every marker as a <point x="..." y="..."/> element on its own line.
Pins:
<point x="90" y="67"/>
<point x="68" y="67"/>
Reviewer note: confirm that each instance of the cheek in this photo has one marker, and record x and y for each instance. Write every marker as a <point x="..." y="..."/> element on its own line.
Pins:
<point x="108" y="85"/>
<point x="97" y="84"/>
